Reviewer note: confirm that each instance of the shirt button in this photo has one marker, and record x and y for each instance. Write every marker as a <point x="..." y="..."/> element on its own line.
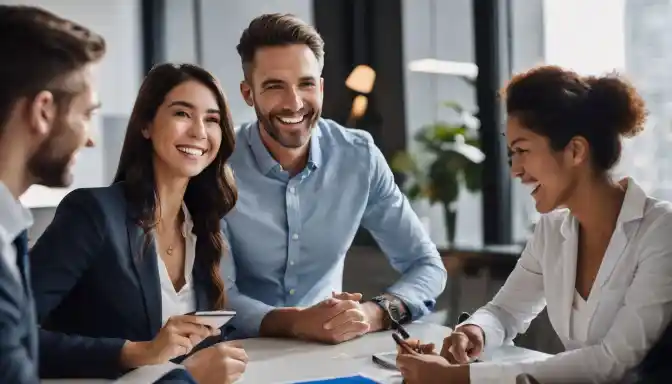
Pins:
<point x="291" y="189"/>
<point x="295" y="236"/>
<point x="292" y="291"/>
<point x="291" y="262"/>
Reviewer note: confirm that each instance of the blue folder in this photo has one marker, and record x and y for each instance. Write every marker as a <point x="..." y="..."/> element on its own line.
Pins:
<point x="343" y="380"/>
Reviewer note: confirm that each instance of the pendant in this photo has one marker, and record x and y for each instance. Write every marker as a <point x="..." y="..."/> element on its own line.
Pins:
<point x="169" y="251"/>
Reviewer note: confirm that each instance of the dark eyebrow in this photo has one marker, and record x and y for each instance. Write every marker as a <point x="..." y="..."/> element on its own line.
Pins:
<point x="268" y="82"/>
<point x="307" y="78"/>
<point x="187" y="104"/>
<point x="518" y="140"/>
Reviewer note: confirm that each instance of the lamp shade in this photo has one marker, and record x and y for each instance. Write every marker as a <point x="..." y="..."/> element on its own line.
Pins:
<point x="359" y="105"/>
<point x="361" y="79"/>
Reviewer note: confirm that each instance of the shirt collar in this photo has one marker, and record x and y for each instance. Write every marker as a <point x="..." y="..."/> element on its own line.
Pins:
<point x="632" y="209"/>
<point x="266" y="162"/>
<point x="14" y="217"/>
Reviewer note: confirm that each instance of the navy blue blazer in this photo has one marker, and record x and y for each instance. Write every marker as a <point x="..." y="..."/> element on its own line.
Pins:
<point x="18" y="331"/>
<point x="177" y="376"/>
<point x="94" y="289"/>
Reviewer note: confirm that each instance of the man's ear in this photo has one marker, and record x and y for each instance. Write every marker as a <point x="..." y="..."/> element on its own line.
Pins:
<point x="246" y="92"/>
<point x="42" y="113"/>
<point x="579" y="150"/>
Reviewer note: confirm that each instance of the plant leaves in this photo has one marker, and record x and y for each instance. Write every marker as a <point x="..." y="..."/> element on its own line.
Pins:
<point x="445" y="183"/>
<point x="473" y="176"/>
<point x="454" y="105"/>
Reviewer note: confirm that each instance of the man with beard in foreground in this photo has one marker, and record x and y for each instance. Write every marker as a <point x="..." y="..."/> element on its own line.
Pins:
<point x="305" y="185"/>
<point x="47" y="99"/>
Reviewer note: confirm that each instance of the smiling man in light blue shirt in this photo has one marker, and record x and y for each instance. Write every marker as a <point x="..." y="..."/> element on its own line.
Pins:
<point x="305" y="186"/>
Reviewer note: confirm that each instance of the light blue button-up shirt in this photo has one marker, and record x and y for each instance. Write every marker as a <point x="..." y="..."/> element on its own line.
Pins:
<point x="288" y="236"/>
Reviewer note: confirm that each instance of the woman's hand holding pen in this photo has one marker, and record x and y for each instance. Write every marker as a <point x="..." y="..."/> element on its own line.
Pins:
<point x="419" y="363"/>
<point x="176" y="338"/>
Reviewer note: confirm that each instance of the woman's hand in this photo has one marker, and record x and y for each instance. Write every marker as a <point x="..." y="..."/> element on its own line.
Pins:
<point x="464" y="344"/>
<point x="176" y="338"/>
<point x="222" y="363"/>
<point x="417" y="368"/>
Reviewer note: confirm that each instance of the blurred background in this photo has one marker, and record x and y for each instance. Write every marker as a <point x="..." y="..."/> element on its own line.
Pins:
<point x="422" y="77"/>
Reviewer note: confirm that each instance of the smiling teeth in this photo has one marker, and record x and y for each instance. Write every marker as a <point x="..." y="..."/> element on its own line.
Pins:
<point x="291" y="120"/>
<point x="532" y="187"/>
<point x="191" y="151"/>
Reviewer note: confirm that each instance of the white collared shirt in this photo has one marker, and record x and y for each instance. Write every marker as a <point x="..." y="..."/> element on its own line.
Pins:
<point x="178" y="303"/>
<point x="629" y="306"/>
<point x="14" y="219"/>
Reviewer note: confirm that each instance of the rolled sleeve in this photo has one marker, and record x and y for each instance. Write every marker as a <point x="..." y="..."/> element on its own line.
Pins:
<point x="402" y="237"/>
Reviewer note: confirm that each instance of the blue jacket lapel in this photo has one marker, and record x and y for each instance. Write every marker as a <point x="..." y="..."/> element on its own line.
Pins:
<point x="143" y="253"/>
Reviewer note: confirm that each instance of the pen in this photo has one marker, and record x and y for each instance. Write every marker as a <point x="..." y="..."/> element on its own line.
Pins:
<point x="400" y="328"/>
<point x="464" y="316"/>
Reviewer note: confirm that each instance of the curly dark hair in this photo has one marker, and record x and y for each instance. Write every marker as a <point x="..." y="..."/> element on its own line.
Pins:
<point x="209" y="195"/>
<point x="560" y="104"/>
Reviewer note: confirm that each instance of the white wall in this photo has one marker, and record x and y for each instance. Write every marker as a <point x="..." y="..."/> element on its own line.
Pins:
<point x="444" y="30"/>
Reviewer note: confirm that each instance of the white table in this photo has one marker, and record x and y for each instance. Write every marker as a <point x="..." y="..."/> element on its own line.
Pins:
<point x="289" y="361"/>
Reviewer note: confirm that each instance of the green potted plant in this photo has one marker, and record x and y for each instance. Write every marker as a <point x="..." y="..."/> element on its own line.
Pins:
<point x="448" y="157"/>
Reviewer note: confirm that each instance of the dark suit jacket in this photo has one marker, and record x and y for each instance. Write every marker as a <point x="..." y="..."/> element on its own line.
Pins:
<point x="176" y="376"/>
<point x="93" y="288"/>
<point x="18" y="331"/>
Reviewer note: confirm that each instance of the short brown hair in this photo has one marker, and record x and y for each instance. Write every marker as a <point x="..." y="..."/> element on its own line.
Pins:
<point x="277" y="29"/>
<point x="560" y="104"/>
<point x="41" y="51"/>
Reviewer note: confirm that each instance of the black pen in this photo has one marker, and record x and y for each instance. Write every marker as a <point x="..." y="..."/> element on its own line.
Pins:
<point x="400" y="328"/>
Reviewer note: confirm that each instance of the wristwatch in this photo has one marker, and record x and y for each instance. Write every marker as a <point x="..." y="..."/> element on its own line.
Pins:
<point x="391" y="310"/>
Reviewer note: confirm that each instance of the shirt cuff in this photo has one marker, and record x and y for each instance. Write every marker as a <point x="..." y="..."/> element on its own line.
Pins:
<point x="492" y="332"/>
<point x="148" y="373"/>
<point x="247" y="321"/>
<point x="417" y="308"/>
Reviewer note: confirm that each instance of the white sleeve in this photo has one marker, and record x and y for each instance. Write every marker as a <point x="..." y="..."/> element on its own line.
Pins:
<point x="638" y="324"/>
<point x="518" y="302"/>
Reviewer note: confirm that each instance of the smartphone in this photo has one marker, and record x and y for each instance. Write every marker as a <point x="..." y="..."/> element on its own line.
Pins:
<point x="214" y="319"/>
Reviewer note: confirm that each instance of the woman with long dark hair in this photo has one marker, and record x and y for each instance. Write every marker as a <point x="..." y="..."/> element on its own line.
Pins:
<point x="119" y="267"/>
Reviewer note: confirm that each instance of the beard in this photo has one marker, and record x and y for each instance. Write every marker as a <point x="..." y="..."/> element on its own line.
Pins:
<point x="49" y="166"/>
<point x="291" y="140"/>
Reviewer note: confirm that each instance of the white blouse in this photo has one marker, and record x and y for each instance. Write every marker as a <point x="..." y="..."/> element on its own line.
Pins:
<point x="629" y="306"/>
<point x="178" y="303"/>
<point x="578" y="329"/>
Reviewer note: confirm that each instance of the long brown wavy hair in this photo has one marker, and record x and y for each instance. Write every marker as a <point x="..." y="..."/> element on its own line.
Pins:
<point x="209" y="195"/>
